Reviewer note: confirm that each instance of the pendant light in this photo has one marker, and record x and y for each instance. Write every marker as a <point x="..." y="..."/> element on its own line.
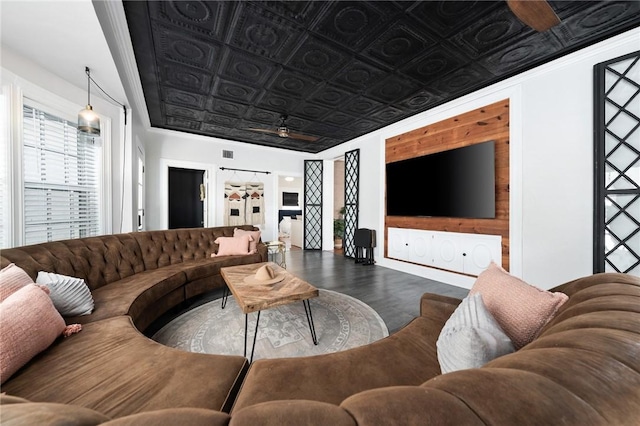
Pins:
<point x="88" y="120"/>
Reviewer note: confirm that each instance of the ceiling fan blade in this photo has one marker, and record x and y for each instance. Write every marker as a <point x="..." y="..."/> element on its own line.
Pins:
<point x="537" y="14"/>
<point x="302" y="137"/>
<point x="275" y="132"/>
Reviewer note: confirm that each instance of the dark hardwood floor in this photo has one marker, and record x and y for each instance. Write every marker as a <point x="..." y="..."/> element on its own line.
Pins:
<point x="394" y="295"/>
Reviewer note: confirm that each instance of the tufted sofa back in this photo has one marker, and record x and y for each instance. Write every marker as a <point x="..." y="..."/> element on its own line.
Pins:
<point x="98" y="260"/>
<point x="163" y="248"/>
<point x="108" y="258"/>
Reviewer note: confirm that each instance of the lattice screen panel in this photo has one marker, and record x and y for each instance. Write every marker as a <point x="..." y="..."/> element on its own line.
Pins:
<point x="351" y="192"/>
<point x="313" y="204"/>
<point x="617" y="121"/>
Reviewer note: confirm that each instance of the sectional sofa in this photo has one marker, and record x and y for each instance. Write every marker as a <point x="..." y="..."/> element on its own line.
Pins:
<point x="583" y="368"/>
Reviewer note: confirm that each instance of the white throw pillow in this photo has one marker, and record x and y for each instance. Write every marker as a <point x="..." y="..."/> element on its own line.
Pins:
<point x="70" y="295"/>
<point x="471" y="337"/>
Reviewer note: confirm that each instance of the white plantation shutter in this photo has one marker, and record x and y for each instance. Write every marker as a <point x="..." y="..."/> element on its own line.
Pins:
<point x="61" y="179"/>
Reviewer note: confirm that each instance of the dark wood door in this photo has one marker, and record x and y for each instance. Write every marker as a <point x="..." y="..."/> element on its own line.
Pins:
<point x="186" y="209"/>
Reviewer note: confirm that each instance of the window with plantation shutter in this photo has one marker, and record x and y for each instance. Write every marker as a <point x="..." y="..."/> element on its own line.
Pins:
<point x="62" y="169"/>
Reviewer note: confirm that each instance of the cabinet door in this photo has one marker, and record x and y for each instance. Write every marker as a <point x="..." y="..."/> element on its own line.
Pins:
<point x="420" y="247"/>
<point x="447" y="252"/>
<point x="479" y="250"/>
<point x="397" y="244"/>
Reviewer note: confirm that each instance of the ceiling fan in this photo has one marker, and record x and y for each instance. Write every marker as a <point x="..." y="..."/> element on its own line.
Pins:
<point x="537" y="14"/>
<point x="283" y="131"/>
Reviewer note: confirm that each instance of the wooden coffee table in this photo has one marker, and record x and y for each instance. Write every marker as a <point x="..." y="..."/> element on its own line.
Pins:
<point x="257" y="297"/>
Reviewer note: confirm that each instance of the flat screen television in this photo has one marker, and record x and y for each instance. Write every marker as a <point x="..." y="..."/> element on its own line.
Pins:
<point x="455" y="183"/>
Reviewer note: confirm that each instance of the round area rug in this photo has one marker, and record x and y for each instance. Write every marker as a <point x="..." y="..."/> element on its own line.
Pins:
<point x="341" y="322"/>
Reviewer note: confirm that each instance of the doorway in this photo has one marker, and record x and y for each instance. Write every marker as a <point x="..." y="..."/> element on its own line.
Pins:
<point x="186" y="198"/>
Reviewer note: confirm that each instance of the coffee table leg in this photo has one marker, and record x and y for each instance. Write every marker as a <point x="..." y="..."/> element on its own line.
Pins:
<point x="255" y="335"/>
<point x="225" y="296"/>
<point x="312" y="328"/>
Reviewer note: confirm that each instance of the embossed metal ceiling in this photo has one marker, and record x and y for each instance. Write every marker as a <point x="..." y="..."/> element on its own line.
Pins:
<point x="339" y="69"/>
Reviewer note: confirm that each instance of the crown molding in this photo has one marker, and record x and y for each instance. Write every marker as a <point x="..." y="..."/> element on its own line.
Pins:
<point x="114" y="26"/>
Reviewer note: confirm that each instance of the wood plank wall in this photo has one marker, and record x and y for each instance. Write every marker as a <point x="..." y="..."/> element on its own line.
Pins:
<point x="483" y="124"/>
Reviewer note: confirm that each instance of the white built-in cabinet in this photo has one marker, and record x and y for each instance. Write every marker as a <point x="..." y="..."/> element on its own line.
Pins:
<point x="453" y="251"/>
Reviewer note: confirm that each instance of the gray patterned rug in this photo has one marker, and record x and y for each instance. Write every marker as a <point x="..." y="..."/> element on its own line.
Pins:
<point x="341" y="322"/>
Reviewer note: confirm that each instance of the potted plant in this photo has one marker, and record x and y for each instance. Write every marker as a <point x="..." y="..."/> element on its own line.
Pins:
<point x="338" y="230"/>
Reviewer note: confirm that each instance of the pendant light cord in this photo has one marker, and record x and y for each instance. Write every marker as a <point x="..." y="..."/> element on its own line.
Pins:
<point x="124" y="142"/>
<point x="86" y="69"/>
<point x="124" y="107"/>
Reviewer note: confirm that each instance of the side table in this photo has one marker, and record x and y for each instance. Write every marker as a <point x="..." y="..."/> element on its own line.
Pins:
<point x="276" y="251"/>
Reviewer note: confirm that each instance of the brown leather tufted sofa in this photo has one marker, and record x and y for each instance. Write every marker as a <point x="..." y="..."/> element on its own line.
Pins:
<point x="583" y="369"/>
<point x="140" y="274"/>
<point x="110" y="366"/>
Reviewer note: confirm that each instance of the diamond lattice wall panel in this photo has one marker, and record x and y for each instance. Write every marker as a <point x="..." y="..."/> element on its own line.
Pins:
<point x="351" y="195"/>
<point x="617" y="120"/>
<point x="313" y="205"/>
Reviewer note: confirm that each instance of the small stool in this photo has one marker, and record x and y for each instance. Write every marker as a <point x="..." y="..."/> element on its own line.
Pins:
<point x="276" y="251"/>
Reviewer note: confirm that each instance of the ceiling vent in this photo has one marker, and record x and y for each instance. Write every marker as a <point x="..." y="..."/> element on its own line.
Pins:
<point x="227" y="154"/>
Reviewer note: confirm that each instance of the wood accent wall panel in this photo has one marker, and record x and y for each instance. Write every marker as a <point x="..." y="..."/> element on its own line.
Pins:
<point x="483" y="124"/>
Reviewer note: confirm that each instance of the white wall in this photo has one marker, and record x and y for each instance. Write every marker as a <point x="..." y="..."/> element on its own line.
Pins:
<point x="23" y="69"/>
<point x="165" y="146"/>
<point x="551" y="157"/>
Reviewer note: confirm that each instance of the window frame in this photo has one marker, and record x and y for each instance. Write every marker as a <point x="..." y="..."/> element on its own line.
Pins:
<point x="18" y="92"/>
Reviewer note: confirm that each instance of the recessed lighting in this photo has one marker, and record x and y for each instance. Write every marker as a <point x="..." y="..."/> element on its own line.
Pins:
<point x="289" y="179"/>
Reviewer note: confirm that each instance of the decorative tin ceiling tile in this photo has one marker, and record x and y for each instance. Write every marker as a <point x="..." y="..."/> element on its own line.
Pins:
<point x="358" y="75"/>
<point x="186" y="78"/>
<point x="207" y="18"/>
<point x="227" y="107"/>
<point x="182" y="123"/>
<point x="280" y="103"/>
<point x="361" y="106"/>
<point x="417" y="101"/>
<point x="330" y="96"/>
<point x="245" y="68"/>
<point x="263" y="116"/>
<point x="311" y="111"/>
<point x="339" y="69"/>
<point x="398" y="44"/>
<point x="317" y="58"/>
<point x="234" y="92"/>
<point x="596" y="18"/>
<point x="183" y="98"/>
<point x="387" y="114"/>
<point x="433" y="64"/>
<point x="392" y="88"/>
<point x="294" y="84"/>
<point x="445" y="18"/>
<point x="339" y="118"/>
<point x="181" y="48"/>
<point x="495" y="31"/>
<point x="263" y="33"/>
<point x="525" y="52"/>
<point x="352" y="23"/>
<point x="177" y="111"/>
<point x="220" y="120"/>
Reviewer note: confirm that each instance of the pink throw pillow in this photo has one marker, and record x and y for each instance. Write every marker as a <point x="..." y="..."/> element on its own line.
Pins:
<point x="29" y="324"/>
<point x="12" y="279"/>
<point x="255" y="235"/>
<point x="229" y="246"/>
<point x="520" y="309"/>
